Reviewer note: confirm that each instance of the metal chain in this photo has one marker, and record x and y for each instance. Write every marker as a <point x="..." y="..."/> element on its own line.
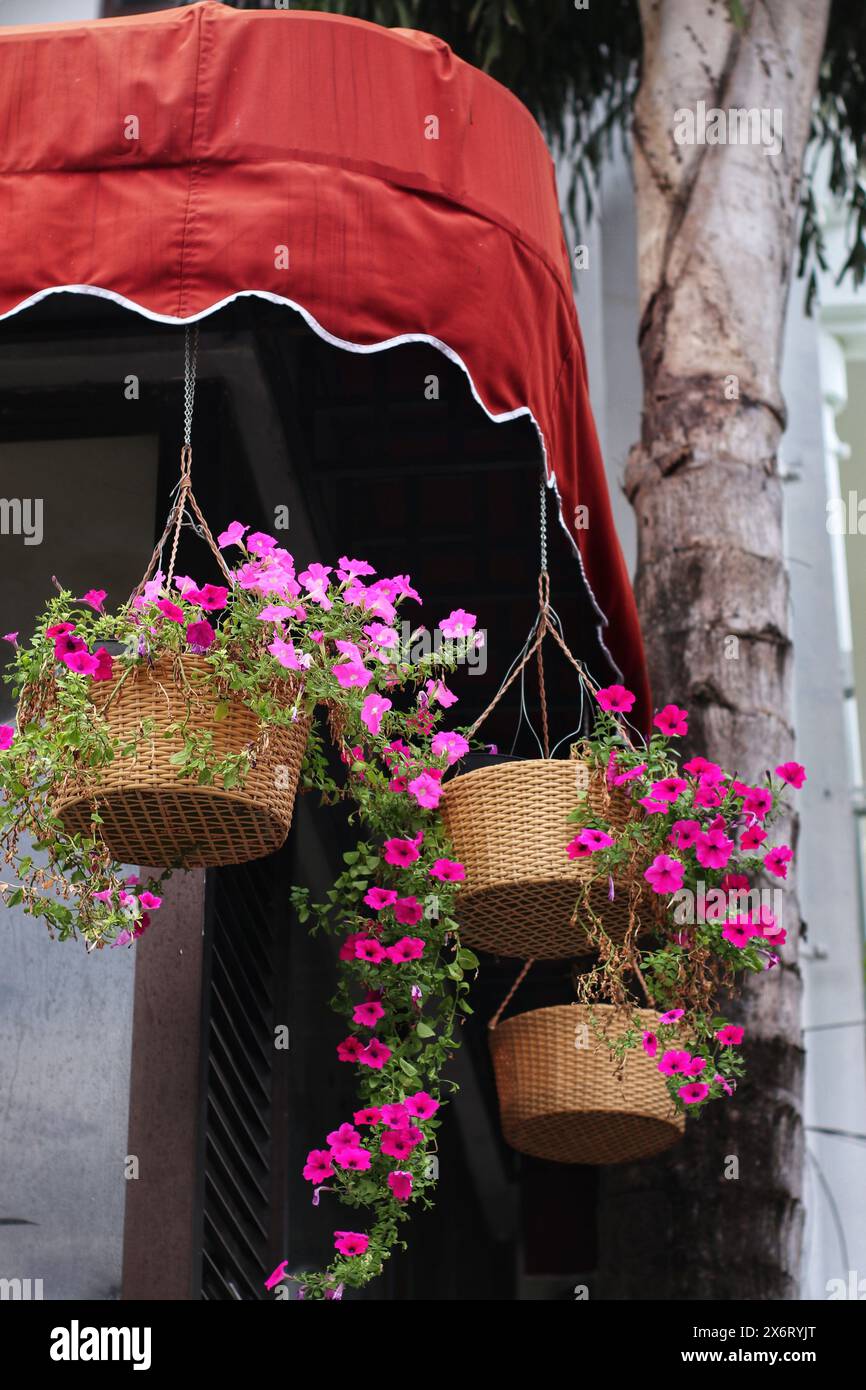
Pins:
<point x="543" y="525"/>
<point x="190" y="357"/>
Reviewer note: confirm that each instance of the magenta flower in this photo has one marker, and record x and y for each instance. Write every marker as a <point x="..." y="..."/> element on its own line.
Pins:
<point x="67" y="644"/>
<point x="82" y="663"/>
<point x="753" y="838"/>
<point x="459" y="623"/>
<point x="438" y="690"/>
<point x="372" y="1115"/>
<point x="344" y="1137"/>
<point x="700" y="767"/>
<point x="370" y="950"/>
<point x="421" y="1105"/>
<point x="399" y="1143"/>
<point x="725" y="1085"/>
<point x="200" y="636"/>
<point x="713" y="849"/>
<point x="407" y="948"/>
<point x="372" y="710"/>
<point x="58" y="630"/>
<point x="738" y="931"/>
<point x="232" y="535"/>
<point x="665" y="875"/>
<point x="170" y="610"/>
<point x="426" y="790"/>
<point x="150" y="901"/>
<point x="400" y="1184"/>
<point x="447" y="870"/>
<point x="11" y="637"/>
<point x="104" y="665"/>
<point x="675" y="1063"/>
<point x="616" y="699"/>
<point x="368" y="1015"/>
<point x="671" y="1016"/>
<point x="351" y="1242"/>
<point x="94" y="598"/>
<point x="400" y="852"/>
<point x="693" y="1092"/>
<point x="777" y="860"/>
<point x="757" y="802"/>
<point x="375" y="1055"/>
<point x="684" y="833"/>
<point x="352" y="674"/>
<point x="259" y="543"/>
<point x="673" y="721"/>
<point x="408" y="911"/>
<point x="731" y="1035"/>
<point x="651" y="806"/>
<point x="350" y="1049"/>
<point x="318" y="1166"/>
<point x="792" y="773"/>
<point x="668" y="789"/>
<point x="212" y="597"/>
<point x="352" y="569"/>
<point x="588" y="841"/>
<point x="696" y="1066"/>
<point x="452" y="746"/>
<point x="355" y="1160"/>
<point x="650" y="1044"/>
<point x="380" y="898"/>
<point x="629" y="774"/>
<point x="395" y="1116"/>
<point x="7" y="735"/>
<point x="708" y="794"/>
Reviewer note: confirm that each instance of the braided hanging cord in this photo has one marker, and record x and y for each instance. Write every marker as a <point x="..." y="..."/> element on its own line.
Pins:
<point x="184" y="504"/>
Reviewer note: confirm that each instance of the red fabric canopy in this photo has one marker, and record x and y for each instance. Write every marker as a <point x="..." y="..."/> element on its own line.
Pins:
<point x="289" y="154"/>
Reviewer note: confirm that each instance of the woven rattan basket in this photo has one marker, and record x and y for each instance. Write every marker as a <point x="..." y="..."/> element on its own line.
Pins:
<point x="151" y="815"/>
<point x="560" y="1094"/>
<point x="509" y="826"/>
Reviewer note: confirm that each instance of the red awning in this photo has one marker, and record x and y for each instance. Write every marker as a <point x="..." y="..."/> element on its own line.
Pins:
<point x="363" y="176"/>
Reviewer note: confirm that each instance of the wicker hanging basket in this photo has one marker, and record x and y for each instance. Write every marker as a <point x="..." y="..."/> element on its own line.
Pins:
<point x="562" y="1095"/>
<point x="509" y="826"/>
<point x="152" y="815"/>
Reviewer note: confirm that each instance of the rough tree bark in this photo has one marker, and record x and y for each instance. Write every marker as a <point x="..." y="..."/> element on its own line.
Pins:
<point x="716" y="235"/>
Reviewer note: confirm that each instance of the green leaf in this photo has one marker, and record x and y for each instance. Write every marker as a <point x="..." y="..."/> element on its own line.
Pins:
<point x="221" y="710"/>
<point x="424" y="1030"/>
<point x="467" y="959"/>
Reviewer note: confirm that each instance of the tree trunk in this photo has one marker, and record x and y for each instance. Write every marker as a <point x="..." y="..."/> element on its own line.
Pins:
<point x="715" y="245"/>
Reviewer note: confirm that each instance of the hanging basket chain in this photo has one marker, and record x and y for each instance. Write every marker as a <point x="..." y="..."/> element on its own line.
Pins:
<point x="527" y="965"/>
<point x="184" y="501"/>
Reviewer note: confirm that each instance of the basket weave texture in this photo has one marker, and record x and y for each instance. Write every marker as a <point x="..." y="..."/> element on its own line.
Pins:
<point x="560" y="1099"/>
<point x="509" y="826"/>
<point x="152" y="815"/>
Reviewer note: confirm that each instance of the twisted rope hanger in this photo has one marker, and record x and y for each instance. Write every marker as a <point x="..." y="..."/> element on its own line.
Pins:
<point x="184" y="505"/>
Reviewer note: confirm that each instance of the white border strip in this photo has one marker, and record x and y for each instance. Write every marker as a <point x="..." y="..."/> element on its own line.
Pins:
<point x="98" y="292"/>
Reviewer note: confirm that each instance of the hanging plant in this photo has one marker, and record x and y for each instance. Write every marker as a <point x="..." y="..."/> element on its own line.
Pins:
<point x="690" y="859"/>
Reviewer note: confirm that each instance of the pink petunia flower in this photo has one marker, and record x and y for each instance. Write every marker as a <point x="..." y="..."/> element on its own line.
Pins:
<point x="58" y="630"/>
<point x="212" y="597"/>
<point x="727" y="1087"/>
<point x="452" y="746"/>
<point x="700" y="767"/>
<point x="352" y="569"/>
<point x="352" y="674"/>
<point x="200" y="636"/>
<point x="459" y="623"/>
<point x="588" y="841"/>
<point x="684" y="833"/>
<point x="665" y="875"/>
<point x="629" y="774"/>
<point x="673" y="721"/>
<point x="668" y="789"/>
<point x="380" y="898"/>
<point x="650" y="1044"/>
<point x="368" y="1014"/>
<point x="438" y="690"/>
<point x="150" y="901"/>
<point x="104" y="665"/>
<point x="318" y="1166"/>
<point x="713" y="849"/>
<point x="753" y="838"/>
<point x="400" y="1184"/>
<point x="355" y="1160"/>
<point x="370" y="950"/>
<point x="739" y="932"/>
<point x="7" y="736"/>
<point x="94" y="598"/>
<point x="675" y="1063"/>
<point x="422" y="1105"/>
<point x="399" y="1143"/>
<point x="406" y="949"/>
<point x="408" y="911"/>
<point x="426" y="790"/>
<point x="708" y="794"/>
<point x="696" y="1066"/>
<point x="170" y="610"/>
<point x="693" y="1092"/>
<point x="347" y="950"/>
<point x="351" y="1242"/>
<point x="672" y="1016"/>
<point x="447" y="870"/>
<point x="792" y="773"/>
<point x="372" y="711"/>
<point x="395" y="1116"/>
<point x="616" y="699"/>
<point x="757" y="802"/>
<point x="82" y="663"/>
<point x="375" y="1055"/>
<point x="731" y="1035"/>
<point x="653" y="807"/>
<point x="11" y="637"/>
<point x="400" y="852"/>
<point x="232" y="535"/>
<point x="350" y="1049"/>
<point x="777" y="860"/>
<point x="371" y="1115"/>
